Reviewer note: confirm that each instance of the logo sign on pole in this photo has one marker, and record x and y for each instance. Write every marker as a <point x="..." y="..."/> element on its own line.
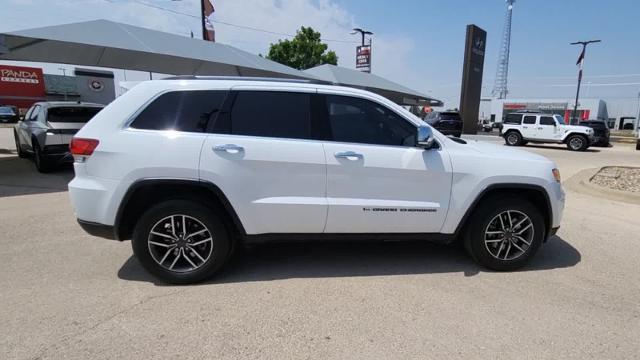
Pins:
<point x="363" y="58"/>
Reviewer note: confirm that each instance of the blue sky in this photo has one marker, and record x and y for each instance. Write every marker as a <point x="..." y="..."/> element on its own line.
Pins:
<point x="540" y="50"/>
<point x="419" y="43"/>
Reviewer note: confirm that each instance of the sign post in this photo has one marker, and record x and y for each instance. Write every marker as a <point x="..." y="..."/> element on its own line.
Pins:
<point x="472" y="78"/>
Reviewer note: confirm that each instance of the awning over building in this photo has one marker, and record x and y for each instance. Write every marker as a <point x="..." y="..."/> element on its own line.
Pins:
<point x="379" y="85"/>
<point x="110" y="44"/>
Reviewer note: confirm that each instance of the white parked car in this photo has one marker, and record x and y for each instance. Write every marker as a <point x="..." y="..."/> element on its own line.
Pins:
<point x="521" y="128"/>
<point x="189" y="168"/>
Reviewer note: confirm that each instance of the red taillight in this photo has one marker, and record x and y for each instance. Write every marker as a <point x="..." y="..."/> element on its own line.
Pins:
<point x="83" y="147"/>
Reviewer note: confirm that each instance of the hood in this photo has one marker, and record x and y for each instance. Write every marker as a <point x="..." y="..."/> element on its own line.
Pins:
<point x="580" y="128"/>
<point x="502" y="151"/>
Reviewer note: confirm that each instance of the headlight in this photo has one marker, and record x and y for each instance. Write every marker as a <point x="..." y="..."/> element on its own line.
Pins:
<point x="556" y="174"/>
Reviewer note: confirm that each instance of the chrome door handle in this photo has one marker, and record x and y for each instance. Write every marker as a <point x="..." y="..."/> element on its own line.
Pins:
<point x="230" y="148"/>
<point x="351" y="155"/>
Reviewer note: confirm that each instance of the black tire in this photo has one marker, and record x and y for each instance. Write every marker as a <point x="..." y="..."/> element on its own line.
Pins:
<point x="42" y="163"/>
<point x="19" y="151"/>
<point x="577" y="142"/>
<point x="482" y="220"/>
<point x="513" y="138"/>
<point x="217" y="254"/>
<point x="638" y="145"/>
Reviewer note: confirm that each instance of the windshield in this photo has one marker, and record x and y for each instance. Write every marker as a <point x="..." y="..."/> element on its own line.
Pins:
<point x="6" y="111"/>
<point x="559" y="119"/>
<point x="75" y="114"/>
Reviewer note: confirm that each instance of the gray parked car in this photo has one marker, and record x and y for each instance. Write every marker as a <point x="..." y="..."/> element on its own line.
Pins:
<point x="47" y="129"/>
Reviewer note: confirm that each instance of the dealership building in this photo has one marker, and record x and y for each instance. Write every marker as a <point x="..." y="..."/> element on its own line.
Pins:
<point x="22" y="86"/>
<point x="619" y="113"/>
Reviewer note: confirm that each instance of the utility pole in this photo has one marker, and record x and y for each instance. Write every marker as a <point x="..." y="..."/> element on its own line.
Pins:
<point x="638" y="117"/>
<point x="574" y="117"/>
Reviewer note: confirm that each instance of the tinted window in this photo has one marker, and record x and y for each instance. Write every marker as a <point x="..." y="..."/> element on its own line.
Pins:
<point x="181" y="110"/>
<point x="547" y="120"/>
<point x="594" y="124"/>
<point x="513" y="119"/>
<point x="72" y="114"/>
<point x="362" y="121"/>
<point x="271" y="114"/>
<point x="529" y="120"/>
<point x="450" y="116"/>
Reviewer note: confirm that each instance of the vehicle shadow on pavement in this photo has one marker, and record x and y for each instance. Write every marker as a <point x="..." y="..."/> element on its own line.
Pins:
<point x="558" y="147"/>
<point x="20" y="177"/>
<point x="346" y="259"/>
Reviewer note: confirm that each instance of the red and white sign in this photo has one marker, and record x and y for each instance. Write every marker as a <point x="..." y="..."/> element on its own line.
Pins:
<point x="21" y="86"/>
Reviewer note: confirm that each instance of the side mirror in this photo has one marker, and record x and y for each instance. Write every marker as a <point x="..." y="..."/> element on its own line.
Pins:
<point x="425" y="137"/>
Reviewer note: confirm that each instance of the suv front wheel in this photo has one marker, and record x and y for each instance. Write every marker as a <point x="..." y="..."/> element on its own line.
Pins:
<point x="504" y="233"/>
<point x="577" y="143"/>
<point x="181" y="241"/>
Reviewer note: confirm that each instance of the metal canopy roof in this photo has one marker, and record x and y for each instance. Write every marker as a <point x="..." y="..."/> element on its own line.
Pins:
<point x="110" y="44"/>
<point x="379" y="85"/>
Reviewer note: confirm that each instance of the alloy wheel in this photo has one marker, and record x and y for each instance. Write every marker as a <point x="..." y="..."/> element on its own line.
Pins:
<point x="576" y="143"/>
<point x="180" y="243"/>
<point x="512" y="139"/>
<point x="509" y="235"/>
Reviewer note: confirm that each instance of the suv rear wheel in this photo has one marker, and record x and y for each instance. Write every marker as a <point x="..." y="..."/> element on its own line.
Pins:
<point x="181" y="241"/>
<point x="577" y="143"/>
<point x="19" y="151"/>
<point x="504" y="233"/>
<point x="513" y="138"/>
<point x="42" y="163"/>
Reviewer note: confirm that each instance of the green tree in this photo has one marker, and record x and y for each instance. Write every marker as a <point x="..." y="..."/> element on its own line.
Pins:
<point x="304" y="51"/>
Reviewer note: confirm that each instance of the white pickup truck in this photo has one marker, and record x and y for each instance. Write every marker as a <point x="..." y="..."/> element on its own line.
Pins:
<point x="521" y="128"/>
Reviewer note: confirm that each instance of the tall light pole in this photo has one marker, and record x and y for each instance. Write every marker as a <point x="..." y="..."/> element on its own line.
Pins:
<point x="574" y="117"/>
<point x="362" y="32"/>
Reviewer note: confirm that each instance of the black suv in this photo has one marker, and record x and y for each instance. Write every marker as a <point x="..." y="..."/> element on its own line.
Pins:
<point x="600" y="131"/>
<point x="447" y="122"/>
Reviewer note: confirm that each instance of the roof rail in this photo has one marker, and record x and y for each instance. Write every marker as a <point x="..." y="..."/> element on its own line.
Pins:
<point x="247" y="78"/>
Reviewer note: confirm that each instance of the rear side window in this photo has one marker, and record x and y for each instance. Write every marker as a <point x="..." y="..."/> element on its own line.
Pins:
<point x="529" y="120"/>
<point x="547" y="120"/>
<point x="71" y="114"/>
<point x="188" y="111"/>
<point x="272" y="114"/>
<point x="513" y="119"/>
<point x="358" y="120"/>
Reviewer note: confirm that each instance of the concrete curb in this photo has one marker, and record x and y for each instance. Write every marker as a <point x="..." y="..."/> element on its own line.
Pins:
<point x="581" y="183"/>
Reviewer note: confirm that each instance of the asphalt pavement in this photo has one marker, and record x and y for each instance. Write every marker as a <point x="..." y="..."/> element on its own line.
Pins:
<point x="67" y="295"/>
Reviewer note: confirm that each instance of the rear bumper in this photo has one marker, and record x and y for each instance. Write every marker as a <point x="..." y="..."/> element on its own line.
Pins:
<point x="99" y="230"/>
<point x="59" y="153"/>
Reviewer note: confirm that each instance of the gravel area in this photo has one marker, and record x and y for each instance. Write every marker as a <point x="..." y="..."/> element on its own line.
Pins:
<point x="618" y="178"/>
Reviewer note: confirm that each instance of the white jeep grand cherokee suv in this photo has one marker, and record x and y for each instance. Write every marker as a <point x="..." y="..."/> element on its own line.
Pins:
<point x="521" y="128"/>
<point x="190" y="167"/>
